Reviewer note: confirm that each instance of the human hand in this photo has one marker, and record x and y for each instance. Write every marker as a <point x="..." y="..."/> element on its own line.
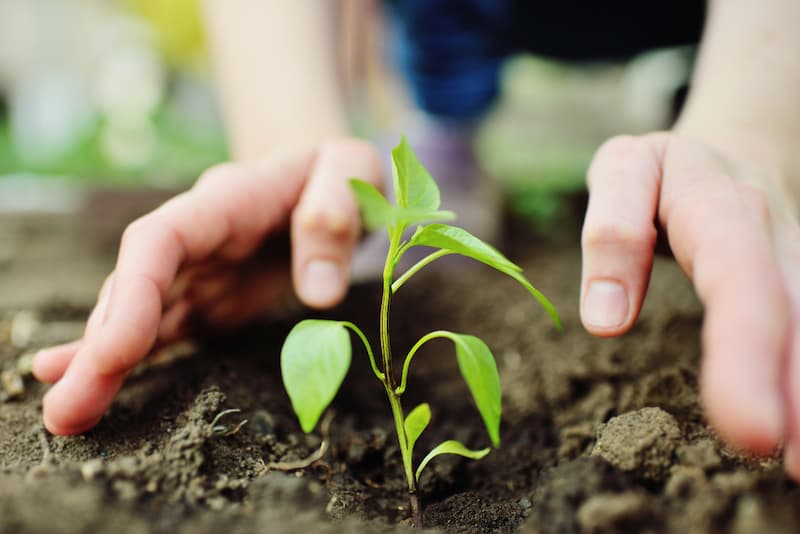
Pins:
<point x="200" y="256"/>
<point x="732" y="225"/>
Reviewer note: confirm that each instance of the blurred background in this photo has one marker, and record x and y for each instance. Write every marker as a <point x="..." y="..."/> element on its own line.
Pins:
<point x="120" y="94"/>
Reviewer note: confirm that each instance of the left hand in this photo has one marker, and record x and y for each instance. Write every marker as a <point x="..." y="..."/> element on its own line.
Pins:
<point x="733" y="227"/>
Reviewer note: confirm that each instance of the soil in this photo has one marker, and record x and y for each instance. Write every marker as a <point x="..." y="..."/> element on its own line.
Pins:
<point x="597" y="435"/>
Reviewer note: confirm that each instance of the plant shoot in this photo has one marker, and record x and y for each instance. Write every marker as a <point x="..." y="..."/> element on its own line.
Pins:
<point x="316" y="355"/>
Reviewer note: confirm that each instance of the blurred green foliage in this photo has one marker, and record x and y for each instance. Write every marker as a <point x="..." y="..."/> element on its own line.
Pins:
<point x="180" y="156"/>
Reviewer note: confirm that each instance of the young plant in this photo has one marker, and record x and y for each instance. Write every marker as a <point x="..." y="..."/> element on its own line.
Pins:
<point x="316" y="355"/>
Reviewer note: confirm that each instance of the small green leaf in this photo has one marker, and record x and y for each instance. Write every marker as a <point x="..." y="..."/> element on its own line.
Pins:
<point x="376" y="212"/>
<point x="416" y="421"/>
<point x="458" y="240"/>
<point x="314" y="361"/>
<point x="408" y="216"/>
<point x="450" y="446"/>
<point x="477" y="366"/>
<point x="413" y="184"/>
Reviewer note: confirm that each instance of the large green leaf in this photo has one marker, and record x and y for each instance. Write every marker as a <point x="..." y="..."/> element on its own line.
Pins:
<point x="459" y="241"/>
<point x="450" y="446"/>
<point x="413" y="185"/>
<point x="314" y="361"/>
<point x="477" y="366"/>
<point x="376" y="212"/>
<point x="416" y="421"/>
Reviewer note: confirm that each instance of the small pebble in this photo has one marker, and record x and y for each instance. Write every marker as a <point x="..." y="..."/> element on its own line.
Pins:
<point x="23" y="328"/>
<point x="263" y="423"/>
<point x="25" y="364"/>
<point x="12" y="384"/>
<point x="643" y="442"/>
<point x="91" y="469"/>
<point x="126" y="490"/>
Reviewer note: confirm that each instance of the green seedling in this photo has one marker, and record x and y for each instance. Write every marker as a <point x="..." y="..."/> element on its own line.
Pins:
<point x="316" y="355"/>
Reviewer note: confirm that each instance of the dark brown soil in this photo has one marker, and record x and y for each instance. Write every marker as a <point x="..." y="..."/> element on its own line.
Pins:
<point x="597" y="435"/>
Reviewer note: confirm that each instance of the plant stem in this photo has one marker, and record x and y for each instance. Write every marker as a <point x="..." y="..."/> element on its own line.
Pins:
<point x="417" y="266"/>
<point x="388" y="378"/>
<point x="399" y="390"/>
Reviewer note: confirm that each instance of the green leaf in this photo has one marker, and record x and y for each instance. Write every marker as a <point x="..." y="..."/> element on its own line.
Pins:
<point x="413" y="185"/>
<point x="450" y="446"/>
<point x="314" y="361"/>
<point x="376" y="212"/>
<point x="458" y="240"/>
<point x="477" y="366"/>
<point x="406" y="216"/>
<point x="539" y="296"/>
<point x="416" y="422"/>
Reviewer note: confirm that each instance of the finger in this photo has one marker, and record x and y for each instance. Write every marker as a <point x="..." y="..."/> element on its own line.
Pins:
<point x="787" y="244"/>
<point x="49" y="364"/>
<point x="78" y="401"/>
<point x="719" y="233"/>
<point x="256" y="293"/>
<point x="173" y="322"/>
<point x="227" y="214"/>
<point x="326" y="224"/>
<point x="791" y="453"/>
<point x="206" y="290"/>
<point x="98" y="314"/>
<point x="619" y="232"/>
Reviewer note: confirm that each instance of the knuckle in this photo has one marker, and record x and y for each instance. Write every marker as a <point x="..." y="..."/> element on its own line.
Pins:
<point x="327" y="222"/>
<point x="617" y="151"/>
<point x="621" y="146"/>
<point x="349" y="152"/>
<point x="344" y="148"/>
<point x="221" y="173"/>
<point x="135" y="230"/>
<point x="618" y="234"/>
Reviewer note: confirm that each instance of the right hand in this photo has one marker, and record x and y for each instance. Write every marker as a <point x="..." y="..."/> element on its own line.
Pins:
<point x="199" y="256"/>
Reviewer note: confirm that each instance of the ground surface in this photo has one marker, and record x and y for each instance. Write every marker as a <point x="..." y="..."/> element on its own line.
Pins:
<point x="597" y="435"/>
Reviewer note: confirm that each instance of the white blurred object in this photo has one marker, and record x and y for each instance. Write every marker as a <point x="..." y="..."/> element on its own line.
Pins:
<point x="27" y="192"/>
<point x="130" y="86"/>
<point x="129" y="144"/>
<point x="649" y="86"/>
<point x="64" y="64"/>
<point x="193" y="106"/>
<point x="129" y="77"/>
<point x="48" y="113"/>
<point x="43" y="69"/>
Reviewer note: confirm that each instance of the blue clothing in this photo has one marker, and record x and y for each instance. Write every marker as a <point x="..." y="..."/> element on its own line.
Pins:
<point x="451" y="50"/>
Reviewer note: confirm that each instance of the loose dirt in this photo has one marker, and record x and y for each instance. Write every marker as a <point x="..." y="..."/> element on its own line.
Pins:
<point x="597" y="435"/>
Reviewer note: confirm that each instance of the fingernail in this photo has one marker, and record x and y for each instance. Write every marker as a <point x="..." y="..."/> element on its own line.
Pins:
<point x="605" y="304"/>
<point x="323" y="281"/>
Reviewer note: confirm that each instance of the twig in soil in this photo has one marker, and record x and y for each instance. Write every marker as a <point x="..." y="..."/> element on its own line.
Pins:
<point x="224" y="430"/>
<point x="325" y="428"/>
<point x="46" y="451"/>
